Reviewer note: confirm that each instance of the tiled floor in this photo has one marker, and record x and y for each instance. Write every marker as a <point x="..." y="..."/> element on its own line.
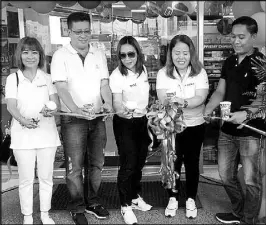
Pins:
<point x="211" y="194"/>
<point x="211" y="202"/>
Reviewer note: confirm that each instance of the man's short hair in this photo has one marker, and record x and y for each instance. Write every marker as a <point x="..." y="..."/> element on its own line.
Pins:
<point x="250" y="23"/>
<point x="77" y="17"/>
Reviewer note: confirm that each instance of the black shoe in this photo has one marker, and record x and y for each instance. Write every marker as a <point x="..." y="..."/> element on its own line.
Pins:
<point x="99" y="211"/>
<point x="79" y="218"/>
<point x="228" y="218"/>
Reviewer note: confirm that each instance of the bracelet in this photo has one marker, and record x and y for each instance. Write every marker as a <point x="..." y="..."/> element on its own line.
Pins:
<point x="249" y="114"/>
<point x="185" y="104"/>
<point x="19" y="119"/>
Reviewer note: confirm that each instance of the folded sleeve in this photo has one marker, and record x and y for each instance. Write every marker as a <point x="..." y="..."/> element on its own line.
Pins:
<point x="103" y="65"/>
<point x="116" y="82"/>
<point x="202" y="81"/>
<point x="161" y="80"/>
<point x="11" y="86"/>
<point x="58" y="67"/>
<point x="51" y="88"/>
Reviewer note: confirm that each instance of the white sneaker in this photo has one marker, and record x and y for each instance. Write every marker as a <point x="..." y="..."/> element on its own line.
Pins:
<point x="46" y="219"/>
<point x="191" y="209"/>
<point x="140" y="204"/>
<point x="28" y="220"/>
<point x="171" y="208"/>
<point x="128" y="215"/>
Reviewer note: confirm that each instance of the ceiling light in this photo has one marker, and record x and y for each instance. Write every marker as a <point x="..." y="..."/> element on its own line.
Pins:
<point x="118" y="6"/>
<point x="138" y="10"/>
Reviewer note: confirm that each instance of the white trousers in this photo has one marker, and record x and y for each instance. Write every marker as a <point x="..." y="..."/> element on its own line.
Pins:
<point x="26" y="160"/>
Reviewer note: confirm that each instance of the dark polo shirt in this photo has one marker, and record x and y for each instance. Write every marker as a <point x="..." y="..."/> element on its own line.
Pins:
<point x="240" y="78"/>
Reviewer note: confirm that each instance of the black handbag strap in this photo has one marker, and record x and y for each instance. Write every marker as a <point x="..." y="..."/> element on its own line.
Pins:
<point x="11" y="156"/>
<point x="17" y="78"/>
<point x="10" y="119"/>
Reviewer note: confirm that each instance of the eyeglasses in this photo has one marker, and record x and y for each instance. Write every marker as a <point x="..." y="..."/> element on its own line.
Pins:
<point x="130" y="55"/>
<point x="80" y="32"/>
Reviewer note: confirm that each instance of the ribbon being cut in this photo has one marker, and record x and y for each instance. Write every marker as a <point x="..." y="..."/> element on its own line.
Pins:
<point x="166" y="121"/>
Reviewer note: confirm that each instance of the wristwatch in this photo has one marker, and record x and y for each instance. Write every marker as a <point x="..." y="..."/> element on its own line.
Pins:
<point x="249" y="114"/>
<point x="185" y="104"/>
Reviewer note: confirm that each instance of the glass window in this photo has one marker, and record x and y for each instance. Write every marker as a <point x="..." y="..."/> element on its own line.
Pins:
<point x="218" y="18"/>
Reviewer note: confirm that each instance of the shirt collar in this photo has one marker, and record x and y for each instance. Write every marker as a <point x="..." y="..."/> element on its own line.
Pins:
<point x="74" y="51"/>
<point x="176" y="75"/>
<point x="131" y="73"/>
<point x="21" y="77"/>
<point x="255" y="52"/>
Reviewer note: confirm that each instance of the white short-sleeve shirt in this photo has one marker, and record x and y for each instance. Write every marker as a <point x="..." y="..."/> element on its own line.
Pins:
<point x="133" y="89"/>
<point x="31" y="98"/>
<point x="84" y="81"/>
<point x="185" y="88"/>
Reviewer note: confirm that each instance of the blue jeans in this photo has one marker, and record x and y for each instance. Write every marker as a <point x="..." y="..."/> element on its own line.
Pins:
<point x="84" y="142"/>
<point x="233" y="150"/>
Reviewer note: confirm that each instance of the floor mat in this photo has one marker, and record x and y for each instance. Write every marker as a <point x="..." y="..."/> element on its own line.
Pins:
<point x="152" y="192"/>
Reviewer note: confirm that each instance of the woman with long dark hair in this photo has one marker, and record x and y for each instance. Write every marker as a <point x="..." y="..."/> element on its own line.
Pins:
<point x="183" y="80"/>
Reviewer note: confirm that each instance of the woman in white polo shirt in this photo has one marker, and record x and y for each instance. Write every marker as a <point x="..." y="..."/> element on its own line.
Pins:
<point x="34" y="134"/>
<point x="185" y="79"/>
<point x="130" y="88"/>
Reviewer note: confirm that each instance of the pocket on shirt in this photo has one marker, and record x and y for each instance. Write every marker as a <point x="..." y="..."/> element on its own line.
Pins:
<point x="43" y="93"/>
<point x="190" y="91"/>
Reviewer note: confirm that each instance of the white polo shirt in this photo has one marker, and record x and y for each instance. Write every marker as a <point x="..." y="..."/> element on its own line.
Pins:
<point x="84" y="81"/>
<point x="31" y="97"/>
<point x="185" y="88"/>
<point x="133" y="89"/>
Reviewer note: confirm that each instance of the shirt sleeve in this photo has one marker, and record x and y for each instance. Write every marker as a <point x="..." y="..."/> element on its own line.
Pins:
<point x="103" y="65"/>
<point x="161" y="82"/>
<point x="116" y="82"/>
<point x="202" y="80"/>
<point x="223" y="72"/>
<point x="51" y="88"/>
<point x="58" y="67"/>
<point x="11" y="86"/>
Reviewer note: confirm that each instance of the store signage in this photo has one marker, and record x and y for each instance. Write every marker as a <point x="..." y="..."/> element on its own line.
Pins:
<point x="4" y="58"/>
<point x="105" y="37"/>
<point x="3" y="31"/>
<point x="64" y="27"/>
<point x="217" y="46"/>
<point x="95" y="37"/>
<point x="4" y="45"/>
<point x="5" y="70"/>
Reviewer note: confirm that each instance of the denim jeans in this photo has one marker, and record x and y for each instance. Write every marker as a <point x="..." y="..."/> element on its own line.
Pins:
<point x="233" y="150"/>
<point x="84" y="142"/>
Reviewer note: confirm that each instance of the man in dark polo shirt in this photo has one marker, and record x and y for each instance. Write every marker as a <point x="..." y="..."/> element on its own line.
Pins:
<point x="239" y="145"/>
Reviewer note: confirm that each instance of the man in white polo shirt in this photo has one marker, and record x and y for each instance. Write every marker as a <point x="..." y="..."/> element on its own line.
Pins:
<point x="81" y="77"/>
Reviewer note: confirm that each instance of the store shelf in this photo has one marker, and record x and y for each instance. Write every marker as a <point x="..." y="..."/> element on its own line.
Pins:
<point x="214" y="60"/>
<point x="214" y="78"/>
